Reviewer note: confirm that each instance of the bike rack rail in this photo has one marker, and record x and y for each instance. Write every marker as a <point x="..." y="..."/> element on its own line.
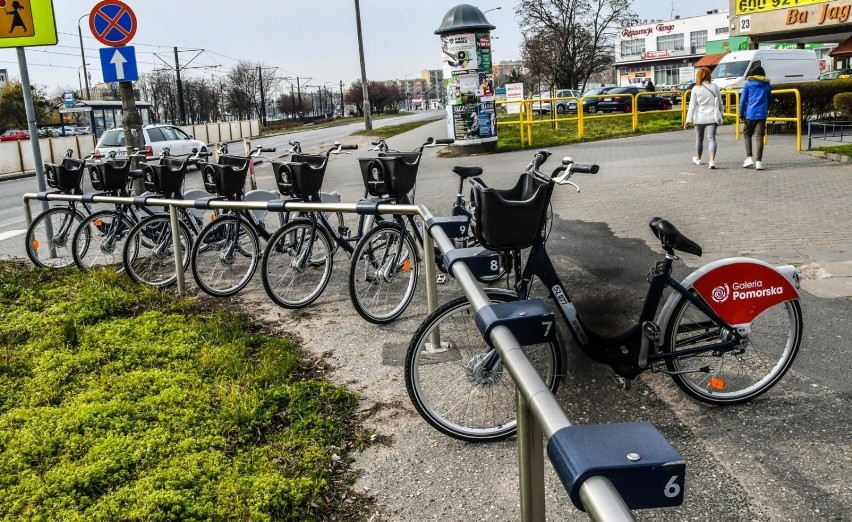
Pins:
<point x="539" y="413"/>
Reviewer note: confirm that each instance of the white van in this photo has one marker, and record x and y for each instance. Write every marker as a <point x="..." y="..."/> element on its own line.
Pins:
<point x="781" y="65"/>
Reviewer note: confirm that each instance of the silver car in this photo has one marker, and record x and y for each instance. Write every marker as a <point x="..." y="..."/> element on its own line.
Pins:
<point x="157" y="137"/>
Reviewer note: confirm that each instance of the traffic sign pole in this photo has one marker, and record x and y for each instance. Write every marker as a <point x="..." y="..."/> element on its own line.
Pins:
<point x="33" y="128"/>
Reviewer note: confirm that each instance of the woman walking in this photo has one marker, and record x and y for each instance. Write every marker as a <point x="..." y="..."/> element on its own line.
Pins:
<point x="705" y="112"/>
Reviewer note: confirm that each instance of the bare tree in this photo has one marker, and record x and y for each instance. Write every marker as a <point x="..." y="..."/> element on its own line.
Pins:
<point x="575" y="36"/>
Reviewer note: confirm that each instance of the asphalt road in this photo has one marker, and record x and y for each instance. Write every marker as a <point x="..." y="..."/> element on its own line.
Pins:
<point x="786" y="456"/>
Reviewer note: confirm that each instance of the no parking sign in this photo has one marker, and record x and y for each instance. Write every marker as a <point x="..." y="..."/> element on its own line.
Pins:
<point x="112" y="23"/>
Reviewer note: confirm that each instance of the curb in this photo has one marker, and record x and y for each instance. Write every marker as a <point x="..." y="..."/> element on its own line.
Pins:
<point x="832" y="156"/>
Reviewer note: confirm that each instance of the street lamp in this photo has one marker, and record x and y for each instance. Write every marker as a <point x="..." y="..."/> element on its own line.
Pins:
<point x="492" y="9"/>
<point x="83" y="56"/>
<point x="78" y="77"/>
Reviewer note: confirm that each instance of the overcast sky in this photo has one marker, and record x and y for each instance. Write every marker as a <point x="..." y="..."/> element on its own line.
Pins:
<point x="315" y="40"/>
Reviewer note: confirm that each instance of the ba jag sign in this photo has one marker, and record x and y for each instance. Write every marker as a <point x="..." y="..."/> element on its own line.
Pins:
<point x="27" y="23"/>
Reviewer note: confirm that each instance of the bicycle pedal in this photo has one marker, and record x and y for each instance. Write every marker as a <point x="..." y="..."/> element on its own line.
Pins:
<point x="621" y="382"/>
<point x="441" y="279"/>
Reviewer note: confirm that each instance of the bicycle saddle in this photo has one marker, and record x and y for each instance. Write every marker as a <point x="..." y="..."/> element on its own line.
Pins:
<point x="467" y="172"/>
<point x="671" y="237"/>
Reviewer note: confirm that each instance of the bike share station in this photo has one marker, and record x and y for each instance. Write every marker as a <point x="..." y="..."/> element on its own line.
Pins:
<point x="607" y="470"/>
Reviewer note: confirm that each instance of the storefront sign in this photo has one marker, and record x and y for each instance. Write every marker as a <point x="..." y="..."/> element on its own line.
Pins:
<point x="812" y="14"/>
<point x="656" y="54"/>
<point x="634" y="32"/>
<point x="761" y="6"/>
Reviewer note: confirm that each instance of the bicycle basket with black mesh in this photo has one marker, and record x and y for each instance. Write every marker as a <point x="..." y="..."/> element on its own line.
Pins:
<point x="65" y="176"/>
<point x="393" y="174"/>
<point x="228" y="177"/>
<point x="509" y="219"/>
<point x="167" y="177"/>
<point x="110" y="175"/>
<point x="301" y="176"/>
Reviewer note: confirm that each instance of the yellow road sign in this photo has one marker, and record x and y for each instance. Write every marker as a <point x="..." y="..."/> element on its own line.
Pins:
<point x="27" y="23"/>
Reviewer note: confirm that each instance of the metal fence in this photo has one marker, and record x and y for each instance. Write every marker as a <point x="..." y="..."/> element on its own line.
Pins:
<point x="587" y="474"/>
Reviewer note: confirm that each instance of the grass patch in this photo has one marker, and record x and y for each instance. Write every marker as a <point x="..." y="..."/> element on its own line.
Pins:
<point x="287" y="127"/>
<point x="845" y="150"/>
<point x="595" y="128"/>
<point x="119" y="402"/>
<point x="389" y="131"/>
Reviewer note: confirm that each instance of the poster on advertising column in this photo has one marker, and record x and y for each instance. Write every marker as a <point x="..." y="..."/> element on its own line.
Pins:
<point x="459" y="53"/>
<point x="466" y="122"/>
<point x="487" y="120"/>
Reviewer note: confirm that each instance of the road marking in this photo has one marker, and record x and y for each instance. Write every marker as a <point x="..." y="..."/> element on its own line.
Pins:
<point x="12" y="233"/>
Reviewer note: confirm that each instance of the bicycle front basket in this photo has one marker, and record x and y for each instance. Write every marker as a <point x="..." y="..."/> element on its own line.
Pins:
<point x="301" y="176"/>
<point x="509" y="219"/>
<point x="110" y="175"/>
<point x="392" y="175"/>
<point x="226" y="180"/>
<point x="66" y="176"/>
<point x="167" y="177"/>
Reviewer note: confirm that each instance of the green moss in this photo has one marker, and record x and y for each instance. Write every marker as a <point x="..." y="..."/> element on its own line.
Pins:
<point x="118" y="402"/>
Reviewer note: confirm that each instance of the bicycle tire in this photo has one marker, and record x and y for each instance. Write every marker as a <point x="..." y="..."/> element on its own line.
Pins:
<point x="737" y="375"/>
<point x="220" y="266"/>
<point x="38" y="244"/>
<point x="446" y="388"/>
<point x="99" y="240"/>
<point x="149" y="255"/>
<point x="288" y="278"/>
<point x="381" y="284"/>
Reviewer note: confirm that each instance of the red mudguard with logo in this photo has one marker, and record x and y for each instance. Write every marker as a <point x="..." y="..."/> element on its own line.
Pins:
<point x="739" y="292"/>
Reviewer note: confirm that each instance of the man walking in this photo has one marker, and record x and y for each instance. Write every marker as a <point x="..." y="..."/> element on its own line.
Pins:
<point x="754" y="108"/>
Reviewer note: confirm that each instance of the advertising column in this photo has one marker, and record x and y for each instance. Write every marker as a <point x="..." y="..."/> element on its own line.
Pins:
<point x="468" y="79"/>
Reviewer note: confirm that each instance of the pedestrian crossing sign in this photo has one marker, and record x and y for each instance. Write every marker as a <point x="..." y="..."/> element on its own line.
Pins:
<point x="27" y="23"/>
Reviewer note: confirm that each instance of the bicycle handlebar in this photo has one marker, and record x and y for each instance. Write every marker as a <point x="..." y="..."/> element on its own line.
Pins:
<point x="585" y="168"/>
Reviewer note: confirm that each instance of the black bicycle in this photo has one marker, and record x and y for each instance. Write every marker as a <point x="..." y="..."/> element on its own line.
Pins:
<point x="48" y="237"/>
<point x="726" y="334"/>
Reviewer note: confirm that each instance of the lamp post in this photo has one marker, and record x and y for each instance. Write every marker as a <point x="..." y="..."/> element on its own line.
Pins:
<point x="492" y="9"/>
<point x="83" y="56"/>
<point x="368" y="119"/>
<point x="79" y="79"/>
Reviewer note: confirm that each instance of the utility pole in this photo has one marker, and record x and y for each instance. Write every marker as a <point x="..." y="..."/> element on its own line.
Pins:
<point x="368" y="122"/>
<point x="181" y="108"/>
<point x="293" y="100"/>
<point x="299" y="94"/>
<point x="262" y="99"/>
<point x="341" y="99"/>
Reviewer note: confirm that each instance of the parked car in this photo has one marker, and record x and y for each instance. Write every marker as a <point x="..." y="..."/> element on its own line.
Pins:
<point x="157" y="137"/>
<point x="14" y="135"/>
<point x="620" y="99"/>
<point x="834" y="75"/>
<point x="545" y="107"/>
<point x="590" y="105"/>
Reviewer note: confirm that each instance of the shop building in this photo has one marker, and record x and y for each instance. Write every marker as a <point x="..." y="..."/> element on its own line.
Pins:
<point x="666" y="51"/>
<point x="824" y="25"/>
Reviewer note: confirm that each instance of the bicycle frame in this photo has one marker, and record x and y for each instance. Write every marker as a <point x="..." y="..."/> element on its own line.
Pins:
<point x="630" y="348"/>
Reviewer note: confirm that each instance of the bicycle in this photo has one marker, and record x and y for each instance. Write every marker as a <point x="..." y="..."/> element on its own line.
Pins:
<point x="99" y="239"/>
<point x="49" y="235"/>
<point x="226" y="252"/>
<point x="148" y="255"/>
<point x="726" y="334"/>
<point x="299" y="258"/>
<point x="384" y="269"/>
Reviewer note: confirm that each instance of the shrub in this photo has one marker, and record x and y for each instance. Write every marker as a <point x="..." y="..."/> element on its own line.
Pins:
<point x="817" y="98"/>
<point x="843" y="104"/>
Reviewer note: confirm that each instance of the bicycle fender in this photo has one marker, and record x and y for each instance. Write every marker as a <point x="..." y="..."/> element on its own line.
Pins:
<point x="738" y="289"/>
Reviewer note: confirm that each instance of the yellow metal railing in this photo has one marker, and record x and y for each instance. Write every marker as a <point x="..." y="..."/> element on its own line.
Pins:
<point x="525" y="121"/>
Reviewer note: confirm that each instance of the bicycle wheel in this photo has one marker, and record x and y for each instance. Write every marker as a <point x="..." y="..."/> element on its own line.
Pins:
<point x="739" y="374"/>
<point x="54" y="249"/>
<point x="149" y="254"/>
<point x="99" y="240"/>
<point x="297" y="265"/>
<point x="450" y="387"/>
<point x="225" y="255"/>
<point x="383" y="273"/>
